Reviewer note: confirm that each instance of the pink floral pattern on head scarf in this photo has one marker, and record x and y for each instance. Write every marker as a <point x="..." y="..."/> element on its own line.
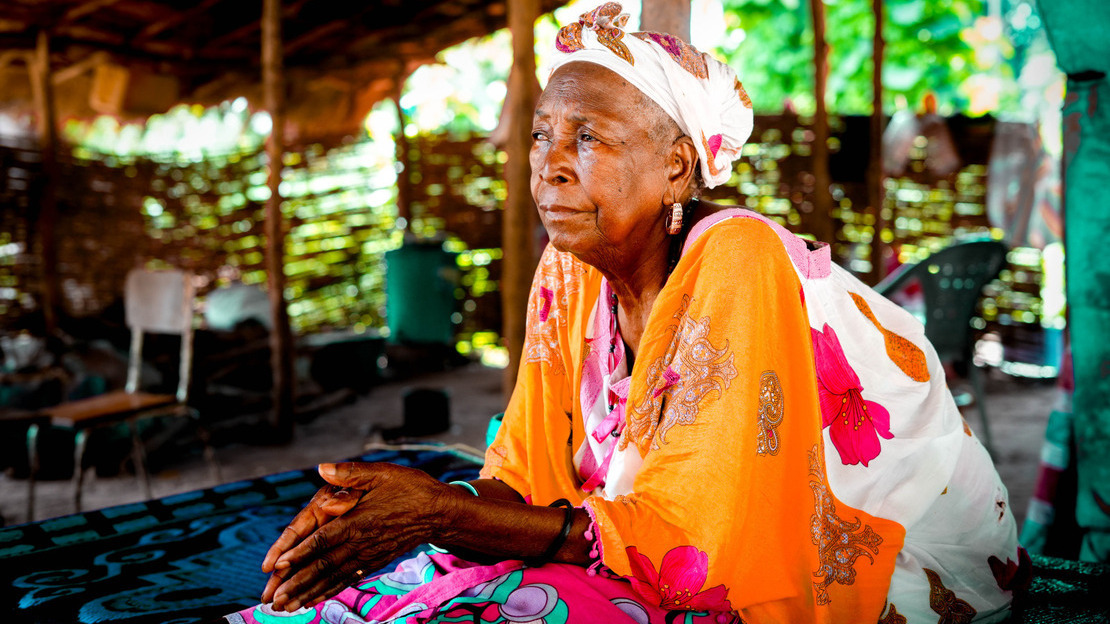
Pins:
<point x="683" y="53"/>
<point x="854" y="424"/>
<point x="701" y="94"/>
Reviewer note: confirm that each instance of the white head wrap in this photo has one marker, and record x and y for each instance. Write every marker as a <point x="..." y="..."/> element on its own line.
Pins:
<point x="702" y="94"/>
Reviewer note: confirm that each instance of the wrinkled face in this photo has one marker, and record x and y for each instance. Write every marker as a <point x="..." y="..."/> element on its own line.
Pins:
<point x="599" y="154"/>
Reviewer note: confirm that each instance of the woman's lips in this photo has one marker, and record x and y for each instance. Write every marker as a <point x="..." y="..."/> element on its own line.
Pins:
<point x="557" y="209"/>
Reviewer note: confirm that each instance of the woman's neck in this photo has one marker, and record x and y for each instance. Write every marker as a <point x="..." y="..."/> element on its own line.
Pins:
<point x="638" y="286"/>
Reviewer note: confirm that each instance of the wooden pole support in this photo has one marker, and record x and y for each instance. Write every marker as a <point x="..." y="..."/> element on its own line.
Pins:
<point x="404" y="176"/>
<point x="819" y="221"/>
<point x="518" y="260"/>
<point x="42" y="87"/>
<point x="666" y="16"/>
<point x="875" y="168"/>
<point x="281" y="339"/>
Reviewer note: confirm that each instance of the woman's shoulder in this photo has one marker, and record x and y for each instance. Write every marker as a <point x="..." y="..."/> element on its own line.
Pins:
<point x="728" y="233"/>
<point x="715" y="221"/>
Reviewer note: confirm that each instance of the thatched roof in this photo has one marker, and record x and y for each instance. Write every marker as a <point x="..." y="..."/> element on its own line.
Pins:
<point x="133" y="58"/>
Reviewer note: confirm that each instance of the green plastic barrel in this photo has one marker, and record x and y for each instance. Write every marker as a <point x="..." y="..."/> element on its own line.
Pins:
<point x="421" y="279"/>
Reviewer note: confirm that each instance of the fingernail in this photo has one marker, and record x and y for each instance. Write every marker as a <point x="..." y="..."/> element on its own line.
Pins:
<point x="293" y="606"/>
<point x="281" y="565"/>
<point x="279" y="599"/>
<point x="327" y="470"/>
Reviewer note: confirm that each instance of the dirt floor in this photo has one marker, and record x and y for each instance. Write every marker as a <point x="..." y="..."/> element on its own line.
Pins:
<point x="1018" y="412"/>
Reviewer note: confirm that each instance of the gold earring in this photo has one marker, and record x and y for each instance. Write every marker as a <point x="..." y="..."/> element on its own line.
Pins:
<point x="674" y="219"/>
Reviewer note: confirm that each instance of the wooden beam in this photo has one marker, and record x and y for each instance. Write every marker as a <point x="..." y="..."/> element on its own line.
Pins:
<point x="245" y="30"/>
<point x="666" y="16"/>
<point x="83" y="9"/>
<point x="875" y="167"/>
<point x="152" y="52"/>
<point x="819" y="221"/>
<point x="91" y="36"/>
<point x="153" y="30"/>
<point x="233" y="36"/>
<point x="86" y="64"/>
<point x="42" y="87"/>
<point x="281" y="338"/>
<point x="316" y="34"/>
<point x="518" y="260"/>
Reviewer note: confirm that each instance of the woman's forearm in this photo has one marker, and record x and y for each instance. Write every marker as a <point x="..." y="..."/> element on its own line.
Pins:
<point x="495" y="524"/>
<point x="492" y="489"/>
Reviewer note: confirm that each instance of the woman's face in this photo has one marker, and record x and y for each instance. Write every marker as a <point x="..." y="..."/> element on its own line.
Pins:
<point x="599" y="166"/>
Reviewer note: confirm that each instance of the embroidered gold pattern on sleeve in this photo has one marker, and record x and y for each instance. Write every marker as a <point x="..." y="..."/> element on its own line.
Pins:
<point x="770" y="413"/>
<point x="839" y="542"/>
<point x="702" y="369"/>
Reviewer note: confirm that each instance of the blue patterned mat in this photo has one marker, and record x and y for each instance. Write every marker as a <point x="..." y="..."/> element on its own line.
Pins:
<point x="195" y="556"/>
<point x="186" y="558"/>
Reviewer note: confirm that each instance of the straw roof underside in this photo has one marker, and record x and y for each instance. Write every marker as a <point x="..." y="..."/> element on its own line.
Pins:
<point x="133" y="58"/>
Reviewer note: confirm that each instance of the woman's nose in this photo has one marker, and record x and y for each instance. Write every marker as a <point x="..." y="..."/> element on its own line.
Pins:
<point x="556" y="165"/>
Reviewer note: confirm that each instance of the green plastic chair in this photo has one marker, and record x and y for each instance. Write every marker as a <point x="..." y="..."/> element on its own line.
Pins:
<point x="952" y="280"/>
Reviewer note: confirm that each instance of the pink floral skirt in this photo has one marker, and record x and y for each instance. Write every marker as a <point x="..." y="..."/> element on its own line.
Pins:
<point x="443" y="588"/>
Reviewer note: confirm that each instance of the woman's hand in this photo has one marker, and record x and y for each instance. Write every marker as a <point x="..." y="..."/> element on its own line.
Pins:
<point x="370" y="514"/>
<point x="330" y="502"/>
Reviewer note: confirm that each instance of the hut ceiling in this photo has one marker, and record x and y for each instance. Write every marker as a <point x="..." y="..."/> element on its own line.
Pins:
<point x="133" y="58"/>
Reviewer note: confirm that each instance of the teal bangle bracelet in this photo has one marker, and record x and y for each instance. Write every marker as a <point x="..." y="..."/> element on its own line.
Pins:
<point x="465" y="485"/>
<point x="472" y="491"/>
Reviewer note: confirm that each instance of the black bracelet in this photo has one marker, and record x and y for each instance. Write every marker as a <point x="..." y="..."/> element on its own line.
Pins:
<point x="568" y="520"/>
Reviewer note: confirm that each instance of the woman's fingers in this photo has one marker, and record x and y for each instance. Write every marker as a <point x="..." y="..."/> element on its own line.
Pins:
<point x="289" y="537"/>
<point x="359" y="475"/>
<point x="328" y="503"/>
<point x="276" y="579"/>
<point x="341" y="500"/>
<point x="304" y="523"/>
<point x="318" y="545"/>
<point x="320" y="581"/>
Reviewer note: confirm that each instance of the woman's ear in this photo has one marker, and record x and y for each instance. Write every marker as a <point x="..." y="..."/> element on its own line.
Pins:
<point x="683" y="160"/>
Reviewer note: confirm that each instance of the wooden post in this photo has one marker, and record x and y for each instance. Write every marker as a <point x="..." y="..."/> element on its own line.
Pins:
<point x="819" y="221"/>
<point x="281" y="339"/>
<point x="518" y="260"/>
<point x="404" y="181"/>
<point x="875" y="169"/>
<point x="42" y="86"/>
<point x="666" y="16"/>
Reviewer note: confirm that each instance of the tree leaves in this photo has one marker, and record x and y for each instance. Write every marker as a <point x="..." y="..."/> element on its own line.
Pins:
<point x="926" y="51"/>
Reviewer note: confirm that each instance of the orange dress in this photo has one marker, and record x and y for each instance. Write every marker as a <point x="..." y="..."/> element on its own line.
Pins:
<point x="715" y="491"/>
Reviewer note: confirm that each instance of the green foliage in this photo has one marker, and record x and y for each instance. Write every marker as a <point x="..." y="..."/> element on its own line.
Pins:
<point x="930" y="47"/>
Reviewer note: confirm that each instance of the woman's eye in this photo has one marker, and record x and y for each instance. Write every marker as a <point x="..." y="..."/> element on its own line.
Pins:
<point x="586" y="136"/>
<point x="537" y="135"/>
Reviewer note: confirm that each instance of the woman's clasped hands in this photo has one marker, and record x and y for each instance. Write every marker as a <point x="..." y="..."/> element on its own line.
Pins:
<point x="367" y="515"/>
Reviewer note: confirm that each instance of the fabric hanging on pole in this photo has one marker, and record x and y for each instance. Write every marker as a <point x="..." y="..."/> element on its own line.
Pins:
<point x="1080" y="36"/>
<point x="1087" y="210"/>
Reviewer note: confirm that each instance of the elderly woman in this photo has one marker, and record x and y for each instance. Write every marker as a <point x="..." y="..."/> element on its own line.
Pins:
<point x="712" y="422"/>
